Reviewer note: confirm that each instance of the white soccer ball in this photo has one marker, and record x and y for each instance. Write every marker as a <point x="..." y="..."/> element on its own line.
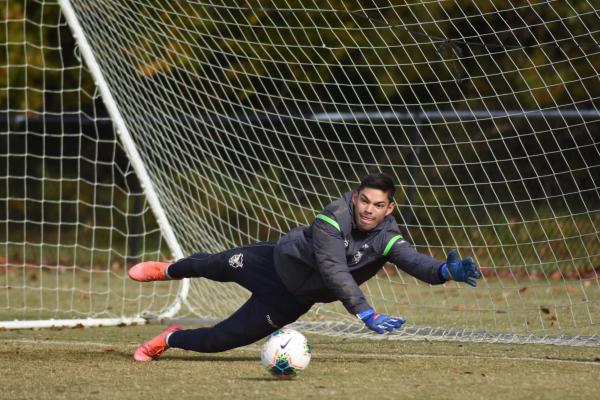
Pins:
<point x="285" y="353"/>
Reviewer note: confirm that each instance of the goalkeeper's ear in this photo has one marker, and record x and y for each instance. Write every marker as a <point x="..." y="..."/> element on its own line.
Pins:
<point x="390" y="208"/>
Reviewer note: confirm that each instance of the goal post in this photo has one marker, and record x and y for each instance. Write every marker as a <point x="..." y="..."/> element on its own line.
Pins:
<point x="71" y="203"/>
<point x="130" y="148"/>
<point x="241" y="121"/>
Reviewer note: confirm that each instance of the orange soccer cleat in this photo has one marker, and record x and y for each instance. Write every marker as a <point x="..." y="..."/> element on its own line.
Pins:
<point x="149" y="271"/>
<point x="154" y="347"/>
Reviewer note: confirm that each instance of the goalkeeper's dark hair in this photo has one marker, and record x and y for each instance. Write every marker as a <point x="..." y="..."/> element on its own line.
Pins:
<point x="379" y="181"/>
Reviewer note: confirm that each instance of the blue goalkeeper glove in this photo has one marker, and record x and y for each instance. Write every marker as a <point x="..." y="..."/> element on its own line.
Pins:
<point x="460" y="270"/>
<point x="380" y="323"/>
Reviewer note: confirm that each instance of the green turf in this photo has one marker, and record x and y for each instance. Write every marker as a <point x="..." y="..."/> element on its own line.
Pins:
<point x="96" y="364"/>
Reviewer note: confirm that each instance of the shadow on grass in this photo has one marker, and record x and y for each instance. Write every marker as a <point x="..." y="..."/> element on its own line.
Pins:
<point x="195" y="357"/>
<point x="208" y="358"/>
<point x="266" y="379"/>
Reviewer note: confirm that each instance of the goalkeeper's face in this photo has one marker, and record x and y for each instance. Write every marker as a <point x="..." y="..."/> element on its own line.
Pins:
<point x="371" y="206"/>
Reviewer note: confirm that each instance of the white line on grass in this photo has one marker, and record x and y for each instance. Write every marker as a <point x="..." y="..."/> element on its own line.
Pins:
<point x="377" y="356"/>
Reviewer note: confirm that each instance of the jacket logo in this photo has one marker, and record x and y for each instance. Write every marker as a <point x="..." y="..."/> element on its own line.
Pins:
<point x="346" y="243"/>
<point x="236" y="261"/>
<point x="356" y="257"/>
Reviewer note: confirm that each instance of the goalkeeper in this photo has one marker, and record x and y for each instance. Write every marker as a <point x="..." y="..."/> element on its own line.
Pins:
<point x="347" y="243"/>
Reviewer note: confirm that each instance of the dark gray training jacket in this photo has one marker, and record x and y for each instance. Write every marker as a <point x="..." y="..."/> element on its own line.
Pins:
<point x="328" y="260"/>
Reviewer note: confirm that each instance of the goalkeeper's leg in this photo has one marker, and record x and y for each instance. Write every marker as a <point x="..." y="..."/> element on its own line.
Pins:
<point x="246" y="265"/>
<point x="256" y="319"/>
<point x="270" y="307"/>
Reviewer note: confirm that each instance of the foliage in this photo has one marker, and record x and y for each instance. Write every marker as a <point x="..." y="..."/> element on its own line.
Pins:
<point x="432" y="54"/>
<point x="461" y="54"/>
<point x="39" y="66"/>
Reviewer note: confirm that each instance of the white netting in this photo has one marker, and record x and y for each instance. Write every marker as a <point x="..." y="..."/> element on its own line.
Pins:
<point x="250" y="117"/>
<point x="72" y="215"/>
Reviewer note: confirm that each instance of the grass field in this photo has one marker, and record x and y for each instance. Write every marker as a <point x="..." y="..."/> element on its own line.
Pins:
<point x="543" y="307"/>
<point x="97" y="364"/>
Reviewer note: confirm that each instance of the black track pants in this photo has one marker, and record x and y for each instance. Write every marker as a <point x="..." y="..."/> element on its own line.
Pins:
<point x="270" y="306"/>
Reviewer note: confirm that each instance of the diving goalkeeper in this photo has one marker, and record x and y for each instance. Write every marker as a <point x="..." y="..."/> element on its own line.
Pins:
<point x="347" y="243"/>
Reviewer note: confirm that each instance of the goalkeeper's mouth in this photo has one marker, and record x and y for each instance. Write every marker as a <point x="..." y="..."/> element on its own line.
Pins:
<point x="366" y="220"/>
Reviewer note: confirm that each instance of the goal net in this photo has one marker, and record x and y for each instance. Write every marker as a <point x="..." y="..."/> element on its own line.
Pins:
<point x="240" y="120"/>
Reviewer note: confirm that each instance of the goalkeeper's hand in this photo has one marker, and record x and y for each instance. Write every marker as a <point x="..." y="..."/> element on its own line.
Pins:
<point x="460" y="270"/>
<point x="380" y="323"/>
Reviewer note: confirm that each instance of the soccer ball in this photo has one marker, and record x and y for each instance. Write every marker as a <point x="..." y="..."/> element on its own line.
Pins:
<point x="285" y="353"/>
